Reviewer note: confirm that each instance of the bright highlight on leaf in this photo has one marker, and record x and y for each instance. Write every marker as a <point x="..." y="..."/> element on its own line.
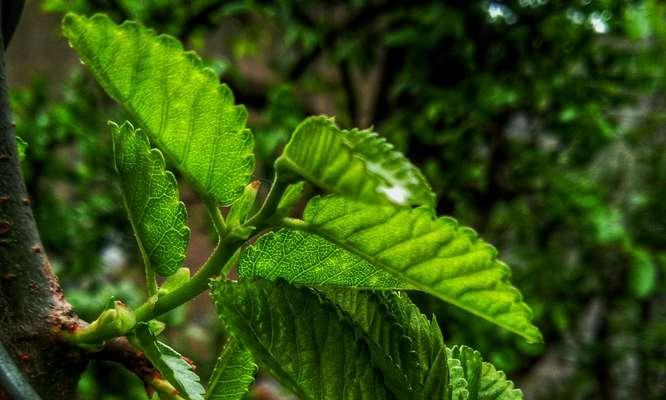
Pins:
<point x="158" y="217"/>
<point x="317" y="304"/>
<point x="433" y="254"/>
<point x="300" y="341"/>
<point x="404" y="183"/>
<point x="174" y="97"/>
<point x="358" y="164"/>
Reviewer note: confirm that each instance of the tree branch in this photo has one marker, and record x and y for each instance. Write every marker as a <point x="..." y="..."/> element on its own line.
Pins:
<point x="33" y="310"/>
<point x="119" y="350"/>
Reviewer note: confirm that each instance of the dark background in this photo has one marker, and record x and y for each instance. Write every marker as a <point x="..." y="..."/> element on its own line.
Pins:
<point x="542" y="124"/>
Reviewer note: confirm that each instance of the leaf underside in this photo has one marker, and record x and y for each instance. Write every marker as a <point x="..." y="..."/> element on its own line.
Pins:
<point x="233" y="373"/>
<point x="299" y="340"/>
<point x="174" y="97"/>
<point x="483" y="381"/>
<point x="173" y="367"/>
<point x="357" y="164"/>
<point x="433" y="254"/>
<point x="402" y="342"/>
<point x="150" y="193"/>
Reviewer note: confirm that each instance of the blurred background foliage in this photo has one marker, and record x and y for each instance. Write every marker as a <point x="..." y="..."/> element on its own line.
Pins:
<point x="541" y="123"/>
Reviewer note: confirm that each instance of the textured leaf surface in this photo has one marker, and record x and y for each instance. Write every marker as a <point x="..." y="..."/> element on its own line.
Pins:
<point x="178" y="101"/>
<point x="233" y="373"/>
<point x="298" y="339"/>
<point x="484" y="382"/>
<point x="402" y="342"/>
<point x="354" y="163"/>
<point x="171" y="365"/>
<point x="457" y="389"/>
<point x="158" y="217"/>
<point x="304" y="258"/>
<point x="432" y="254"/>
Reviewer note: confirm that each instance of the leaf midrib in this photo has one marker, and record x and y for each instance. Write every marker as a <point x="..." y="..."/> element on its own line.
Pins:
<point x="307" y="227"/>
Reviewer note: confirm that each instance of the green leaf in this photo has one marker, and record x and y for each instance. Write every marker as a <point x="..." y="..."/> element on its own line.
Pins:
<point x="173" y="367"/>
<point x="150" y="193"/>
<point x="457" y="389"/>
<point x="355" y="163"/>
<point x="298" y="339"/>
<point x="402" y="342"/>
<point x="292" y="194"/>
<point x="177" y="100"/>
<point x="233" y="373"/>
<point x="484" y="382"/>
<point x="304" y="258"/>
<point x="433" y="254"/>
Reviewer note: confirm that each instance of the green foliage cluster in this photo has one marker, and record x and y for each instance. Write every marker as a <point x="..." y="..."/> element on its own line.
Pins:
<point x="540" y="123"/>
<point x="318" y="340"/>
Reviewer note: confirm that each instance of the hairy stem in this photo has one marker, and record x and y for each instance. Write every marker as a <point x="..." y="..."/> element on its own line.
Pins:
<point x="114" y="323"/>
<point x="192" y="288"/>
<point x="119" y="350"/>
<point x="118" y="321"/>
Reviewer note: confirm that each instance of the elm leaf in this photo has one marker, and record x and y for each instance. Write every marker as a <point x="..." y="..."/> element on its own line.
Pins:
<point x="174" y="97"/>
<point x="150" y="194"/>
<point x="428" y="253"/>
<point x="357" y="164"/>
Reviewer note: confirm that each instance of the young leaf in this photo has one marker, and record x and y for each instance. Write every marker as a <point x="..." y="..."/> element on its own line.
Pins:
<point x="178" y="101"/>
<point x="304" y="258"/>
<point x="239" y="211"/>
<point x="433" y="254"/>
<point x="484" y="382"/>
<point x="233" y="373"/>
<point x="457" y="389"/>
<point x="299" y="340"/>
<point x="353" y="163"/>
<point x="292" y="194"/>
<point x="173" y="367"/>
<point x="158" y="217"/>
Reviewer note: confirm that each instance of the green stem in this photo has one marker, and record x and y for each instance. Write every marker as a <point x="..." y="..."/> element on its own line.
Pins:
<point x="115" y="322"/>
<point x="215" y="214"/>
<point x="107" y="325"/>
<point x="151" y="282"/>
<point x="192" y="288"/>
